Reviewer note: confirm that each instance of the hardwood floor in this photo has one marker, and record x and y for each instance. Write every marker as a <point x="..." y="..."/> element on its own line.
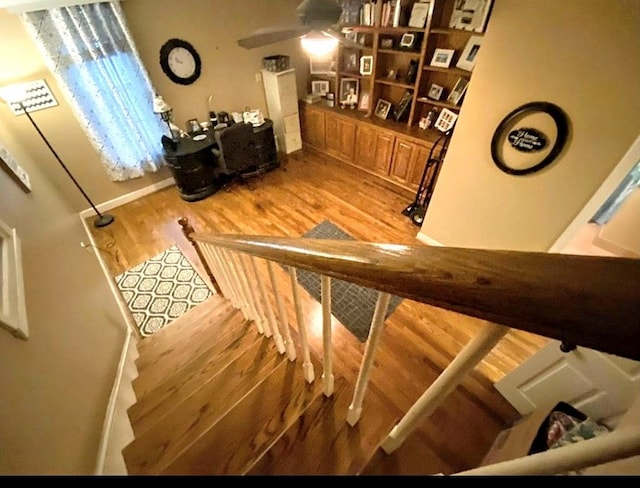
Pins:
<point x="418" y="342"/>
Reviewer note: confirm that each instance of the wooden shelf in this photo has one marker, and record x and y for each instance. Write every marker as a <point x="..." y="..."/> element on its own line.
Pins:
<point x="451" y="71"/>
<point x="395" y="83"/>
<point x="438" y="103"/>
<point x="447" y="31"/>
<point x="415" y="54"/>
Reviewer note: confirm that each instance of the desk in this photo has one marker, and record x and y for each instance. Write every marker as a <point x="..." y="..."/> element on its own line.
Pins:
<point x="193" y="167"/>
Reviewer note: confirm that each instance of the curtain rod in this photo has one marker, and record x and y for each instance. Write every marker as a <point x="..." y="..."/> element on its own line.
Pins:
<point x="21" y="6"/>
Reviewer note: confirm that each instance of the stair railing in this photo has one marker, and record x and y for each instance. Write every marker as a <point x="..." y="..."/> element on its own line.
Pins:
<point x="589" y="301"/>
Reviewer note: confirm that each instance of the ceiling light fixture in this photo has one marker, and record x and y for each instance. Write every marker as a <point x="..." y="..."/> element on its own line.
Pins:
<point x="318" y="44"/>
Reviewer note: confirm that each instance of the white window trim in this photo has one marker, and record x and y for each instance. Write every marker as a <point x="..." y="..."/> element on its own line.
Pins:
<point x="13" y="309"/>
<point x="21" y="6"/>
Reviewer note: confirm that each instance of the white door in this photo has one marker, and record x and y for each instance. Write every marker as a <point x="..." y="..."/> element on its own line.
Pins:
<point x="600" y="385"/>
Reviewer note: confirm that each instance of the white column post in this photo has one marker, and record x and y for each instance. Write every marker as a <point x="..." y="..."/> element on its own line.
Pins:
<point x="307" y="365"/>
<point x="375" y="332"/>
<point x="225" y="260"/>
<point x="449" y="379"/>
<point x="271" y="318"/>
<point x="253" y="296"/>
<point x="221" y="276"/>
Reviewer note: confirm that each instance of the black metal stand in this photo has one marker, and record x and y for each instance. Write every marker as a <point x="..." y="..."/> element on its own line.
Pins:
<point x="417" y="210"/>
<point x="103" y="219"/>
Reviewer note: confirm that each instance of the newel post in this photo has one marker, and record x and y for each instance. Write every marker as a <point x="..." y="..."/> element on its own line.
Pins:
<point x="187" y="230"/>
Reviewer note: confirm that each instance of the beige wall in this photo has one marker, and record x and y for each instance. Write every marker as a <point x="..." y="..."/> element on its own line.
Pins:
<point x="55" y="386"/>
<point x="582" y="55"/>
<point x="228" y="73"/>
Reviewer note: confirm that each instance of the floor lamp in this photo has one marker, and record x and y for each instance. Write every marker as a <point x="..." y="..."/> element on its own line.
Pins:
<point x="17" y="97"/>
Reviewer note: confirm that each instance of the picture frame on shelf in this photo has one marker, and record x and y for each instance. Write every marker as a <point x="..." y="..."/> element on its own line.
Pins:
<point x="366" y="65"/>
<point x="419" y="14"/>
<point x="468" y="57"/>
<point x="386" y="43"/>
<point x="435" y="91"/>
<point x="365" y="100"/>
<point x="193" y="125"/>
<point x="445" y="120"/>
<point x="442" y="57"/>
<point x="470" y="15"/>
<point x="408" y="41"/>
<point x="401" y="108"/>
<point x="320" y="87"/>
<point x="349" y="88"/>
<point x="351" y="35"/>
<point x="322" y="65"/>
<point x="350" y="60"/>
<point x="458" y="91"/>
<point x="362" y="39"/>
<point x="383" y="107"/>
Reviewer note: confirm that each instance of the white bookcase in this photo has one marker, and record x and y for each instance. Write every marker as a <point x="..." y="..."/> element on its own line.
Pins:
<point x="282" y="103"/>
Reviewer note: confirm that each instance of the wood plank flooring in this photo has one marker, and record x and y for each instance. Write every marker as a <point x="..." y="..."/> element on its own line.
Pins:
<point x="419" y="341"/>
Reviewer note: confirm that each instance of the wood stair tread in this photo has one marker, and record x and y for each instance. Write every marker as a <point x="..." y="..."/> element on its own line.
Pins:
<point x="192" y="416"/>
<point x="155" y="404"/>
<point x="233" y="444"/>
<point x="178" y="332"/>
<point x="209" y="340"/>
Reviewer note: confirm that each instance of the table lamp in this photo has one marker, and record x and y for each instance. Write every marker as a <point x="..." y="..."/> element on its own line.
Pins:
<point x="162" y="108"/>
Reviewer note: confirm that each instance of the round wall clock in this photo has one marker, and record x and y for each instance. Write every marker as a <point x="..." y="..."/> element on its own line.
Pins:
<point x="180" y="61"/>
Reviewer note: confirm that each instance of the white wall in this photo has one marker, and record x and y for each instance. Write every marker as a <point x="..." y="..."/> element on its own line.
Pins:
<point x="582" y="55"/>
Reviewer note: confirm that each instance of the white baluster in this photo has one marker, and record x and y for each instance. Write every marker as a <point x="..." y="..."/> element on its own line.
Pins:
<point x="225" y="262"/>
<point x="234" y="272"/>
<point x="208" y="251"/>
<point x="282" y="315"/>
<point x="375" y="332"/>
<point x="307" y="365"/>
<point x="246" y="290"/>
<point x="445" y="383"/>
<point x="271" y="318"/>
<point x="253" y="295"/>
<point x="327" y="355"/>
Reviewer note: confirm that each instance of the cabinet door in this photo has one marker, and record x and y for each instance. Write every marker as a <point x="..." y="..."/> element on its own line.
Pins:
<point x="409" y="161"/>
<point x="339" y="137"/>
<point x="313" y="128"/>
<point x="373" y="150"/>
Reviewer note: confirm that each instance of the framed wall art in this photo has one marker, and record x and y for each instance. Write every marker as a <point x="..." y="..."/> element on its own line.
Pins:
<point x="445" y="120"/>
<point x="320" y="87"/>
<point x="322" y="66"/>
<point x="366" y="65"/>
<point x="349" y="88"/>
<point x="470" y="15"/>
<point x="435" y="91"/>
<point x="468" y="57"/>
<point x="442" y="57"/>
<point x="383" y="107"/>
<point x="14" y="170"/>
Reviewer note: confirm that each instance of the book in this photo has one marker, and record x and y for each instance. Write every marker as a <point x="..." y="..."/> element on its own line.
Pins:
<point x="397" y="10"/>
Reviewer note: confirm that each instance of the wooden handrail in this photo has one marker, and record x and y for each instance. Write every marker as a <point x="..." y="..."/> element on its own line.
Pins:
<point x="589" y="301"/>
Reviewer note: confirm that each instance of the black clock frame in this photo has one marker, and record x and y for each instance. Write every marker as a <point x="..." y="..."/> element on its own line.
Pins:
<point x="562" y="127"/>
<point x="166" y="49"/>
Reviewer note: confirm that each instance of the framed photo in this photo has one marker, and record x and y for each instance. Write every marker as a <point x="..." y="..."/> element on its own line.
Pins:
<point x="351" y="35"/>
<point x="362" y="39"/>
<point x="408" y="40"/>
<point x="383" y="107"/>
<point x="458" y="91"/>
<point x="320" y="87"/>
<point x="435" y="91"/>
<point x="400" y="109"/>
<point x="470" y="15"/>
<point x="350" y="60"/>
<point x="365" y="101"/>
<point x="419" y="14"/>
<point x="366" y="65"/>
<point x="349" y="88"/>
<point x="442" y="57"/>
<point x="468" y="57"/>
<point x="445" y="120"/>
<point x="193" y="125"/>
<point x="322" y="66"/>
<point x="386" y="43"/>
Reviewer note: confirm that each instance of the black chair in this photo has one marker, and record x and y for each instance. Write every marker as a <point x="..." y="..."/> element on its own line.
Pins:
<point x="236" y="152"/>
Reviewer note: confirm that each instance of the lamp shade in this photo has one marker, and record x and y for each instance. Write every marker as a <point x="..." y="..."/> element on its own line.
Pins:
<point x="160" y="106"/>
<point x="319" y="44"/>
<point x="15" y="93"/>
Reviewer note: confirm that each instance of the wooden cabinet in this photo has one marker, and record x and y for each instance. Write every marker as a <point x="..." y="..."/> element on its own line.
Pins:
<point x="339" y="136"/>
<point x="409" y="161"/>
<point x="373" y="149"/>
<point x="313" y="132"/>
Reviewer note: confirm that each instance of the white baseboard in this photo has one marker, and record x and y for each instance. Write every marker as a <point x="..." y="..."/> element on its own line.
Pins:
<point x="425" y="239"/>
<point x="129" y="197"/>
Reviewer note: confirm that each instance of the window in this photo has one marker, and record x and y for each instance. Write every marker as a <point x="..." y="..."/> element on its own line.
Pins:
<point x="92" y="55"/>
<point x="13" y="311"/>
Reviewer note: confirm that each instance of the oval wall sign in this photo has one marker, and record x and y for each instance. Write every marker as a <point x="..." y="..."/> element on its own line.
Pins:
<point x="527" y="139"/>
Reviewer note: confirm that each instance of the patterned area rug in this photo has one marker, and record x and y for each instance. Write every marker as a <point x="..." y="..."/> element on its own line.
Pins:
<point x="162" y="289"/>
<point x="352" y="305"/>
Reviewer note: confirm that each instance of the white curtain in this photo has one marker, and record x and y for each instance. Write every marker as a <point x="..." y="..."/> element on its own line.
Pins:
<point x="91" y="52"/>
